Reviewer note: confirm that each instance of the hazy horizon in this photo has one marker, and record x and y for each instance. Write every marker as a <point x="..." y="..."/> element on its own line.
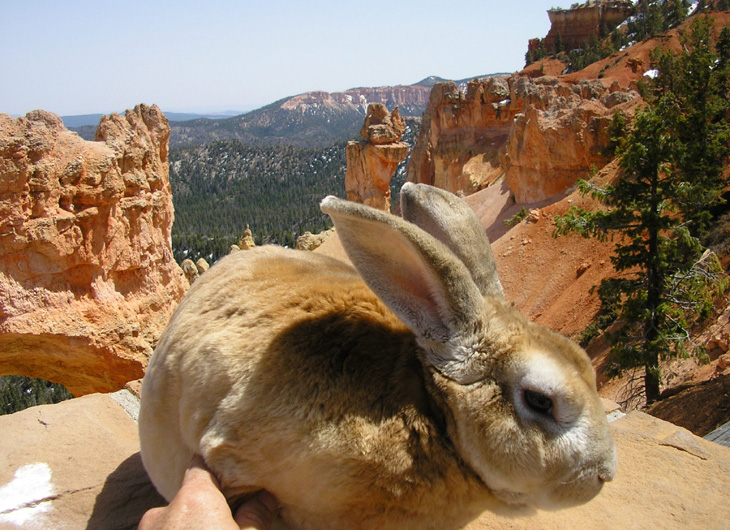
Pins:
<point x="82" y="57"/>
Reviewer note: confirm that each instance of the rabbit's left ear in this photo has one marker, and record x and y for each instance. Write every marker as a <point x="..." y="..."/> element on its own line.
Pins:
<point x="450" y="220"/>
<point x="418" y="278"/>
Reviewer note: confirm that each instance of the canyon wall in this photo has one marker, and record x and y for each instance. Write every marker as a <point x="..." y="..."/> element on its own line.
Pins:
<point x="462" y="135"/>
<point x="581" y="25"/>
<point x="560" y="132"/>
<point x="541" y="135"/>
<point x="87" y="277"/>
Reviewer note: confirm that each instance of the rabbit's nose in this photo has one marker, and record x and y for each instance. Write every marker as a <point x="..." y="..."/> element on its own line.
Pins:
<point x="607" y="471"/>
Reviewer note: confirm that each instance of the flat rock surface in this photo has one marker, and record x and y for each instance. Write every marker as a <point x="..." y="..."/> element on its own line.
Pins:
<point x="76" y="465"/>
<point x="72" y="465"/>
<point x="667" y="479"/>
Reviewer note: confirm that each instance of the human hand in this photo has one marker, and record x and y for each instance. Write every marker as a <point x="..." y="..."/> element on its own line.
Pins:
<point x="200" y="504"/>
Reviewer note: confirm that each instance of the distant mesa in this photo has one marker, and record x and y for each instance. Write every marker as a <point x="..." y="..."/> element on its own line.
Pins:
<point x="313" y="119"/>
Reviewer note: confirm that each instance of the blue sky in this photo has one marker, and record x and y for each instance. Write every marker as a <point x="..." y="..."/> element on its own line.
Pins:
<point x="83" y="57"/>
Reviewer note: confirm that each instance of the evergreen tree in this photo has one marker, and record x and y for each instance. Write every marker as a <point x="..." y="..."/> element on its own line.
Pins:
<point x="616" y="131"/>
<point x="221" y="187"/>
<point x="656" y="22"/>
<point x="675" y="12"/>
<point x="559" y="43"/>
<point x="18" y="393"/>
<point x="693" y="87"/>
<point x="529" y="59"/>
<point x="671" y="164"/>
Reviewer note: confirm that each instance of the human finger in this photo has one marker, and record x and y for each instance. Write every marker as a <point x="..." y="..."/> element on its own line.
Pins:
<point x="151" y="519"/>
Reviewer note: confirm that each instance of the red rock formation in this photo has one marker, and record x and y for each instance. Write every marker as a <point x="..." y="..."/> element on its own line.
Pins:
<point x="462" y="135"/>
<point x="371" y="163"/>
<point x="559" y="133"/>
<point x="87" y="278"/>
<point x="382" y="127"/>
<point x="541" y="134"/>
<point x="582" y="24"/>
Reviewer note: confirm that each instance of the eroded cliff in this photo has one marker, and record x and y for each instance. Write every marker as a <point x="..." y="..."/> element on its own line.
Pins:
<point x="541" y="134"/>
<point x="87" y="278"/>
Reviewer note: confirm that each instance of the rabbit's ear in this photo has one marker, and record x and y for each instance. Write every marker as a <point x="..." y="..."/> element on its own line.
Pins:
<point x="417" y="277"/>
<point x="450" y="220"/>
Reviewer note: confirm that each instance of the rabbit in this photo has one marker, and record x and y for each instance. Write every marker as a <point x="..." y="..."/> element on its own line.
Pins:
<point x="403" y="393"/>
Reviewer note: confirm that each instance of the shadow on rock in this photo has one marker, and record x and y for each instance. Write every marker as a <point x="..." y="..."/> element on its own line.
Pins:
<point x="127" y="494"/>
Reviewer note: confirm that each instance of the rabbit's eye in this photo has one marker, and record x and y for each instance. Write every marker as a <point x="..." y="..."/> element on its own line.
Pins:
<point x="539" y="403"/>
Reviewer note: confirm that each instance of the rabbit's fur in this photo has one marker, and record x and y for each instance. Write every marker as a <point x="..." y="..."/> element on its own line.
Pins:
<point x="405" y="394"/>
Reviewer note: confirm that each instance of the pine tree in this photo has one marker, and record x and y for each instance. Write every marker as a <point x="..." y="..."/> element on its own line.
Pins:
<point x="675" y="12"/>
<point x="529" y="59"/>
<point x="18" y="393"/>
<point x="693" y="86"/>
<point x="671" y="162"/>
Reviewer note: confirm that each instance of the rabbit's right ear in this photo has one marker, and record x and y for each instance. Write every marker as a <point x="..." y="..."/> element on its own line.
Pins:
<point x="450" y="220"/>
<point x="418" y="278"/>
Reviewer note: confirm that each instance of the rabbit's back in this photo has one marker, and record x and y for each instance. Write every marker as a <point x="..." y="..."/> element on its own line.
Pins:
<point x="286" y="373"/>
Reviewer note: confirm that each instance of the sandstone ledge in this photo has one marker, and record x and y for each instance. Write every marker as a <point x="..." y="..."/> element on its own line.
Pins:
<point x="81" y="459"/>
<point x="73" y="465"/>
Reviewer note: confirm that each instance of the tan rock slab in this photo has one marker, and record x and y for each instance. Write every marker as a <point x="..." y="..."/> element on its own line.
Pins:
<point x="76" y="465"/>
<point x="73" y="465"/>
<point x="667" y="479"/>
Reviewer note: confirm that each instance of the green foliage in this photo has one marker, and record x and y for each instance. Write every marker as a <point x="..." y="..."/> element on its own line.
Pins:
<point x="617" y="130"/>
<point x="18" y="393"/>
<point x="657" y="16"/>
<point x="535" y="55"/>
<point x="650" y="18"/>
<point x="529" y="57"/>
<point x="517" y="218"/>
<point x="221" y="187"/>
<point x="692" y="91"/>
<point x="593" y="52"/>
<point x="671" y="162"/>
<point x="609" y="295"/>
